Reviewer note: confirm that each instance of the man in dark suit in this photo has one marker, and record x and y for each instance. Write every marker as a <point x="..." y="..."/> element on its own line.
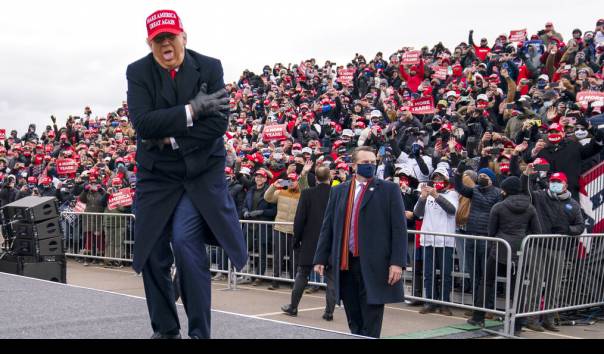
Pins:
<point x="177" y="103"/>
<point x="364" y="238"/>
<point x="307" y="226"/>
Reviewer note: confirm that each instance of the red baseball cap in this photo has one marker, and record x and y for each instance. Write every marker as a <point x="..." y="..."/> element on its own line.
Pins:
<point x="342" y="166"/>
<point x="292" y="177"/>
<point x="262" y="173"/>
<point x="556" y="127"/>
<point x="559" y="176"/>
<point x="163" y="21"/>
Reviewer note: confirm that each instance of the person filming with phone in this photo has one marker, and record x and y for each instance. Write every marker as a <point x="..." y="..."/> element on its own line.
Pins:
<point x="286" y="194"/>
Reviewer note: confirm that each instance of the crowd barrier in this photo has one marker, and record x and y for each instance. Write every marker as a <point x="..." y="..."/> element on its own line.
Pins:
<point x="102" y="236"/>
<point x="550" y="273"/>
<point x="558" y="273"/>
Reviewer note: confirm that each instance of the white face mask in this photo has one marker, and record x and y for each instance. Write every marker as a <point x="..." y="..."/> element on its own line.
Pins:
<point x="581" y="134"/>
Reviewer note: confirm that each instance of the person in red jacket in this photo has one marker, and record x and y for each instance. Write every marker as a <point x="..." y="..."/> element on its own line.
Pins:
<point x="481" y="51"/>
<point x="414" y="77"/>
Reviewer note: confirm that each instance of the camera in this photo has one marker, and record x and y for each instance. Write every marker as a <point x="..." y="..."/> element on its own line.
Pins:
<point x="542" y="168"/>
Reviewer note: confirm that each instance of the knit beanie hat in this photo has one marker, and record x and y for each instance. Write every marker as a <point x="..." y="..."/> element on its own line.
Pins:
<point x="512" y="185"/>
<point x="488" y="172"/>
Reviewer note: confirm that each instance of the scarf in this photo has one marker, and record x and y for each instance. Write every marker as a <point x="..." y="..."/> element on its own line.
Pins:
<point x="348" y="220"/>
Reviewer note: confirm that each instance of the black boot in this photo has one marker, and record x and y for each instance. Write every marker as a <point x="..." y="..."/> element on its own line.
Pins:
<point x="289" y="310"/>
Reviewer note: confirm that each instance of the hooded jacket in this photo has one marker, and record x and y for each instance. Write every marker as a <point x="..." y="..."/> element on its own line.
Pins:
<point x="512" y="220"/>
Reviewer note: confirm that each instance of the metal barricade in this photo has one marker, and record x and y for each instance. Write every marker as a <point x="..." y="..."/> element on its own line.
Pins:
<point x="471" y="272"/>
<point x="270" y="252"/>
<point x="558" y="273"/>
<point x="101" y="236"/>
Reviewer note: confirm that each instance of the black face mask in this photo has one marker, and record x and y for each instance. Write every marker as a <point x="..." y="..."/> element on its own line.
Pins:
<point x="299" y="168"/>
<point x="483" y="182"/>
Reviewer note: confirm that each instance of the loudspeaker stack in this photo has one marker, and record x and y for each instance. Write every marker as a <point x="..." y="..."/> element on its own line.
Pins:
<point x="33" y="244"/>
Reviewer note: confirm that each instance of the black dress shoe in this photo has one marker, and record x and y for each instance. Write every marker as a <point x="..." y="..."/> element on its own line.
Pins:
<point x="289" y="310"/>
<point x="550" y="327"/>
<point x="158" y="335"/>
<point x="475" y="322"/>
<point x="328" y="316"/>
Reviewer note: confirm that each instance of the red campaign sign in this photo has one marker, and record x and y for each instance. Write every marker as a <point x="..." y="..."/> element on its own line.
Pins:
<point x="274" y="132"/>
<point x="2" y="134"/>
<point x="423" y="105"/>
<point x="67" y="166"/>
<point x="440" y="72"/>
<point x="346" y="76"/>
<point x="79" y="207"/>
<point x="586" y="97"/>
<point x="122" y="198"/>
<point x="411" y="58"/>
<point x="518" y="35"/>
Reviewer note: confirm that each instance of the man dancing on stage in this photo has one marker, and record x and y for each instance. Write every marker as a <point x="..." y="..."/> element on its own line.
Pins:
<point x="177" y="103"/>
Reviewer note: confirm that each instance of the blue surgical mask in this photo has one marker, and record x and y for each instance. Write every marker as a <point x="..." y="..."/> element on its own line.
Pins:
<point x="366" y="170"/>
<point x="556" y="187"/>
<point x="115" y="124"/>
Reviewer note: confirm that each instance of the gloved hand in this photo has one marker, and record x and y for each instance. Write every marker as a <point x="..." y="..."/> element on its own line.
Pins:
<point x="462" y="167"/>
<point x="204" y="104"/>
<point x="598" y="134"/>
<point x="256" y="213"/>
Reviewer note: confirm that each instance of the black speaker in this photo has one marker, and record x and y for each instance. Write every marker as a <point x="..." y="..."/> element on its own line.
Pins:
<point x="51" y="271"/>
<point x="30" y="209"/>
<point x="24" y="246"/>
<point x="55" y="270"/>
<point x="41" y="230"/>
<point x="50" y="247"/>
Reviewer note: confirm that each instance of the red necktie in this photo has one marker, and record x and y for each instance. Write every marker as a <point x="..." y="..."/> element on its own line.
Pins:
<point x="173" y="73"/>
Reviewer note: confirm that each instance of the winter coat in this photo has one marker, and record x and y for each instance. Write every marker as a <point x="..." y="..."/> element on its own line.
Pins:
<point x="512" y="220"/>
<point x="287" y="204"/>
<point x="483" y="200"/>
<point x="566" y="157"/>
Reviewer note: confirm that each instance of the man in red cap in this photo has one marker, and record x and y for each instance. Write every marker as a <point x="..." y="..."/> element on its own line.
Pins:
<point x="548" y="34"/>
<point x="178" y="105"/>
<point x="565" y="155"/>
<point x="559" y="214"/>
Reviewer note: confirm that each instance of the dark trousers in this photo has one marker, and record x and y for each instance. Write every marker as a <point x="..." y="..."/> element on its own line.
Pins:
<point x="488" y="291"/>
<point x="189" y="251"/>
<point x="302" y="277"/>
<point x="283" y="254"/>
<point x="363" y="319"/>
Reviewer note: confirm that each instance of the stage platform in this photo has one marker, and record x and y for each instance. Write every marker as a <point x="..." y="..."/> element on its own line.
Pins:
<point x="36" y="309"/>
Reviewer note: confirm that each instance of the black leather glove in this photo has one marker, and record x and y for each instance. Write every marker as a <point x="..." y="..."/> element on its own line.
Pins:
<point x="598" y="134"/>
<point x="462" y="167"/>
<point x="204" y="104"/>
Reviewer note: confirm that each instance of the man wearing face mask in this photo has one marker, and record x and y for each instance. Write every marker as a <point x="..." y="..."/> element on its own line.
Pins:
<point x="483" y="197"/>
<point x="438" y="206"/>
<point x="364" y="239"/>
<point x="564" y="154"/>
<point x="560" y="214"/>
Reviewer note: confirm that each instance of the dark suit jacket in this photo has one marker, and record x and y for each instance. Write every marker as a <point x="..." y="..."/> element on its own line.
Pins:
<point x="308" y="221"/>
<point x="382" y="238"/>
<point x="157" y="110"/>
